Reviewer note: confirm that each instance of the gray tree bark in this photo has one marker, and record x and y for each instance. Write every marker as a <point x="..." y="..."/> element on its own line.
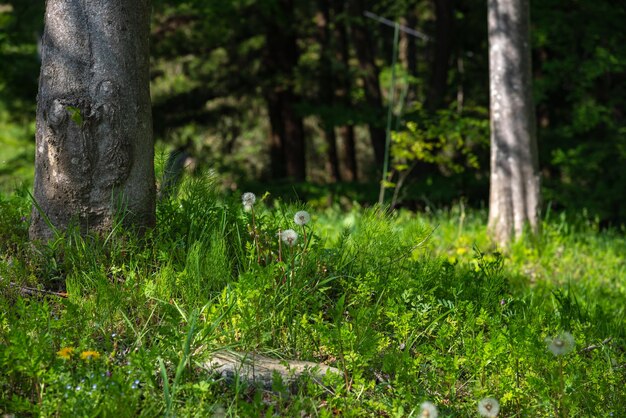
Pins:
<point x="515" y="184"/>
<point x="94" y="152"/>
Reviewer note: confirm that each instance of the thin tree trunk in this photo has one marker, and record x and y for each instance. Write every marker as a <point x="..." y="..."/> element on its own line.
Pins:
<point x="515" y="195"/>
<point x="350" y="162"/>
<point x="294" y="139"/>
<point x="411" y="59"/>
<point x="327" y="90"/>
<point x="370" y="73"/>
<point x="444" y="14"/>
<point x="333" y="155"/>
<point x="345" y="90"/>
<point x="94" y="158"/>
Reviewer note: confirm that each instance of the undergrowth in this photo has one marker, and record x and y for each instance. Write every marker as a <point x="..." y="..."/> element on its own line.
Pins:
<point x="409" y="307"/>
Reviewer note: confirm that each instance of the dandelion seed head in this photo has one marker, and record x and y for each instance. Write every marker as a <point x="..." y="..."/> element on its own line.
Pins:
<point x="302" y="218"/>
<point x="489" y="407"/>
<point x="561" y="344"/>
<point x="248" y="200"/>
<point x="289" y="237"/>
<point x="428" y="410"/>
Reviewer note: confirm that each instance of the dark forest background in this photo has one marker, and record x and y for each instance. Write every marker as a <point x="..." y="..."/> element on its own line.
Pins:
<point x="293" y="95"/>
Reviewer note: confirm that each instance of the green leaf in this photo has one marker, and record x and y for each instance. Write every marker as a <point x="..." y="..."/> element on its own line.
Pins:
<point x="75" y="114"/>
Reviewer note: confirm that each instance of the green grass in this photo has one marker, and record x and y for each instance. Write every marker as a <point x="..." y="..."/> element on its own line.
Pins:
<point x="17" y="151"/>
<point x="410" y="307"/>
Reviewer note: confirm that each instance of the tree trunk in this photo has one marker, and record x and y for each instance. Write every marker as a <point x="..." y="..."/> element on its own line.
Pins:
<point x="363" y="44"/>
<point x="327" y="89"/>
<point x="515" y="195"/>
<point x="287" y="150"/>
<point x="444" y="13"/>
<point x="95" y="158"/>
<point x="349" y="161"/>
<point x="411" y="56"/>
<point x="344" y="93"/>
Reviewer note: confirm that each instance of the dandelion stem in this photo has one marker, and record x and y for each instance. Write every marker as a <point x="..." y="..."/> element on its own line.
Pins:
<point x="563" y="410"/>
<point x="256" y="238"/>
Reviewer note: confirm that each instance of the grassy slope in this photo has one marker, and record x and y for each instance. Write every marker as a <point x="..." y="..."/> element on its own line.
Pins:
<point x="411" y="307"/>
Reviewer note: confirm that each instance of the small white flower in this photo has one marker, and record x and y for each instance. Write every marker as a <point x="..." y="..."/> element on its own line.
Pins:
<point x="248" y="200"/>
<point x="561" y="344"/>
<point x="488" y="407"/>
<point x="289" y="237"/>
<point x="428" y="410"/>
<point x="302" y="218"/>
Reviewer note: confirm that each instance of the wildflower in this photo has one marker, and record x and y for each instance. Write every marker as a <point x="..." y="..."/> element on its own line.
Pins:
<point x="561" y="344"/>
<point x="428" y="410"/>
<point x="289" y="237"/>
<point x="89" y="354"/>
<point x="135" y="384"/>
<point x="65" y="353"/>
<point x="302" y="218"/>
<point x="248" y="200"/>
<point x="488" y="407"/>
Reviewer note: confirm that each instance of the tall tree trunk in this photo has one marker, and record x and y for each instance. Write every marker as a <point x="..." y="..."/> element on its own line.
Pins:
<point x="327" y="90"/>
<point x="444" y="15"/>
<point x="411" y="52"/>
<point x="515" y="195"/>
<point x="363" y="44"/>
<point x="349" y="152"/>
<point x="344" y="92"/>
<point x="287" y="150"/>
<point x="95" y="153"/>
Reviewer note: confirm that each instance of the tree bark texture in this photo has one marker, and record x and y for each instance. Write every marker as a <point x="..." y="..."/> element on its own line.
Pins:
<point x="514" y="194"/>
<point x="94" y="151"/>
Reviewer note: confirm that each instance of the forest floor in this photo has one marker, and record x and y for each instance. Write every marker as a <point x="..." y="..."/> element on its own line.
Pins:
<point x="407" y="308"/>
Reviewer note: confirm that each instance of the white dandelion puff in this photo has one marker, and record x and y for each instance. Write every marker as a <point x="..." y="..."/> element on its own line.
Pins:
<point x="561" y="344"/>
<point x="248" y="200"/>
<point x="289" y="237"/>
<point x="428" y="410"/>
<point x="302" y="218"/>
<point x="488" y="407"/>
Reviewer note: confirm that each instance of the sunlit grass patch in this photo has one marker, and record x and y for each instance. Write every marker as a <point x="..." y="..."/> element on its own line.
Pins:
<point x="416" y="311"/>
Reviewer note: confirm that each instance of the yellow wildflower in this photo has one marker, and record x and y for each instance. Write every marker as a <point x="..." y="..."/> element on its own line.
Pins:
<point x="89" y="354"/>
<point x="65" y="353"/>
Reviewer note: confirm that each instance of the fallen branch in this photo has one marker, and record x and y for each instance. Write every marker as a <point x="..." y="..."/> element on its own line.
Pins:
<point x="30" y="291"/>
<point x="595" y="346"/>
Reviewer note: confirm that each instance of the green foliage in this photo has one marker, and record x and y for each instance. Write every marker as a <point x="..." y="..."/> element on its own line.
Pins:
<point x="409" y="308"/>
<point x="453" y="140"/>
<point x="14" y="215"/>
<point x="582" y="140"/>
